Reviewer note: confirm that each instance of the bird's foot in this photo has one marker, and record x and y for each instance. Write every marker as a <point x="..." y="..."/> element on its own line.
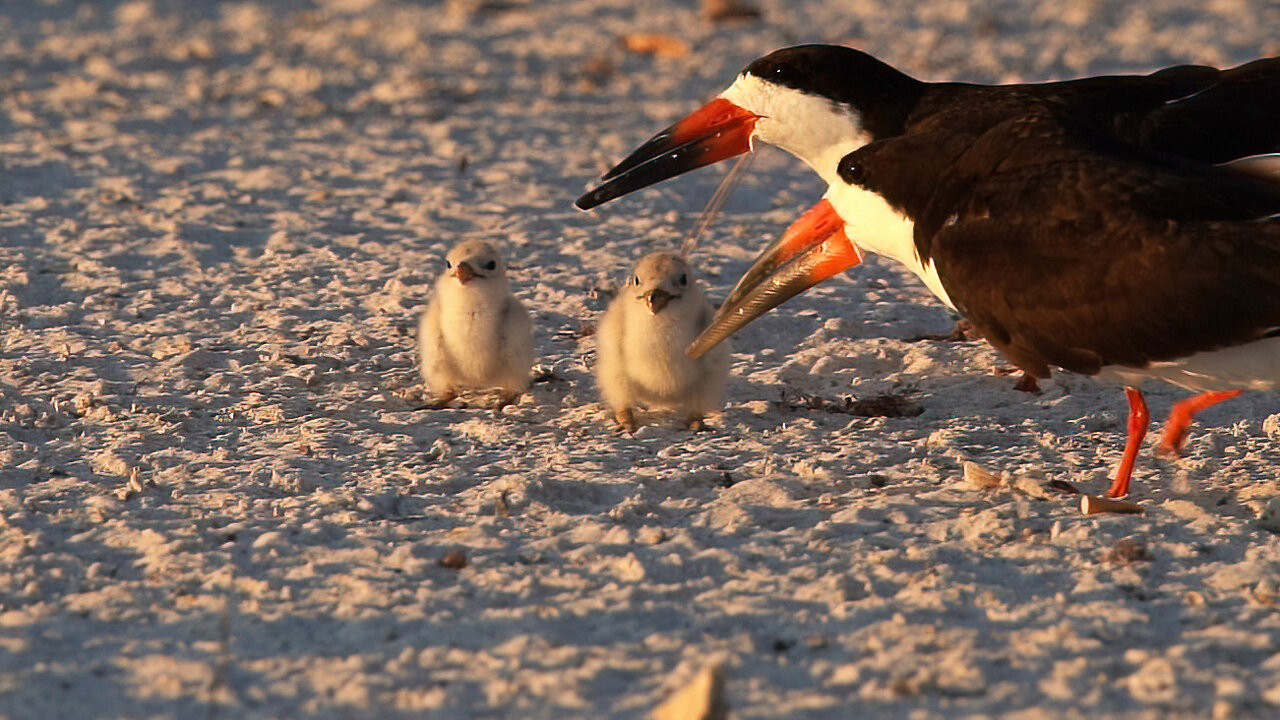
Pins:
<point x="439" y="402"/>
<point x="1176" y="429"/>
<point x="964" y="331"/>
<point x="695" y="423"/>
<point x="1119" y="488"/>
<point x="1169" y="448"/>
<point x="1181" y="415"/>
<point x="626" y="418"/>
<point x="504" y="399"/>
<point x="1027" y="384"/>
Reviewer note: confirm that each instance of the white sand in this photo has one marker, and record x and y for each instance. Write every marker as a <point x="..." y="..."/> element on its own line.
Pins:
<point x="218" y="221"/>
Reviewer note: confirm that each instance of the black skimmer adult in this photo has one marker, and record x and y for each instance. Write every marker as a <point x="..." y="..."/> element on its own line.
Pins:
<point x="1124" y="224"/>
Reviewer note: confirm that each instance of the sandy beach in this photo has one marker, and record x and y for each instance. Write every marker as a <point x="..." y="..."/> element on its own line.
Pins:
<point x="219" y="497"/>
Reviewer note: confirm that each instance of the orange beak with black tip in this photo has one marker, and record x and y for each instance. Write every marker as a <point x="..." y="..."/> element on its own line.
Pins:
<point x="813" y="249"/>
<point x="714" y="132"/>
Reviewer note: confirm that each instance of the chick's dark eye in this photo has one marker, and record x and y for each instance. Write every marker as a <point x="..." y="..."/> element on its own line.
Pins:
<point x="448" y="265"/>
<point x="682" y="280"/>
<point x="491" y="265"/>
<point x="635" y="279"/>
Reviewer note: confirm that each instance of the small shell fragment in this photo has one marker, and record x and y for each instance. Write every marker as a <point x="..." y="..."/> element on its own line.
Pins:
<point x="1031" y="487"/>
<point x="701" y="699"/>
<point x="981" y="478"/>
<point x="1269" y="517"/>
<point x="729" y="10"/>
<point x="454" y="560"/>
<point x="1092" y="504"/>
<point x="659" y="45"/>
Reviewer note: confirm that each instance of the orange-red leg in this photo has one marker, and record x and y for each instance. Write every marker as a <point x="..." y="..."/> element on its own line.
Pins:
<point x="1183" y="412"/>
<point x="1139" y="418"/>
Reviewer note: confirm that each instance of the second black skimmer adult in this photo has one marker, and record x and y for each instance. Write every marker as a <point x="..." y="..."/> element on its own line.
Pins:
<point x="1124" y="225"/>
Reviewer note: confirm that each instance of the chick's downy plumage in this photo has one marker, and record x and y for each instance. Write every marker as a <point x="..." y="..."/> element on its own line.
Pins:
<point x="474" y="334"/>
<point x="642" y="338"/>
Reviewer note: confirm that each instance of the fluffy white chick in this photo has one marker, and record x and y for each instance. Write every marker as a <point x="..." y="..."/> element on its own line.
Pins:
<point x="474" y="334"/>
<point x="642" y="339"/>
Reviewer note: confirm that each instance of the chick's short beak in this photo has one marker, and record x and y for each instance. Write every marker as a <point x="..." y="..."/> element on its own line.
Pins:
<point x="464" y="273"/>
<point x="657" y="299"/>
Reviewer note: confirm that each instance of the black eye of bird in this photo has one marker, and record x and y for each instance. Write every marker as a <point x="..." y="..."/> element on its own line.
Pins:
<point x="491" y="265"/>
<point x="448" y="265"/>
<point x="784" y="74"/>
<point x="682" y="280"/>
<point x="635" y="279"/>
<point x="851" y="171"/>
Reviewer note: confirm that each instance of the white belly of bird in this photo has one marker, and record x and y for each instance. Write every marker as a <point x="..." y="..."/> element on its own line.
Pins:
<point x="873" y="224"/>
<point x="655" y="359"/>
<point x="472" y="337"/>
<point x="1252" y="366"/>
